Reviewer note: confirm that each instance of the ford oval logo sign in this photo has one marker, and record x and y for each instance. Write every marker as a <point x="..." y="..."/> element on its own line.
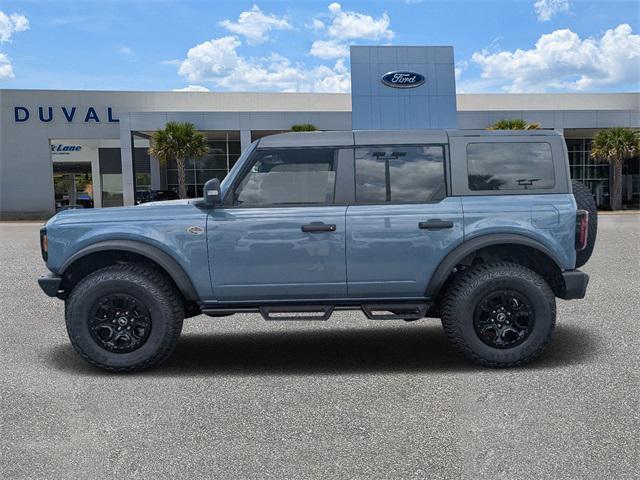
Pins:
<point x="403" y="79"/>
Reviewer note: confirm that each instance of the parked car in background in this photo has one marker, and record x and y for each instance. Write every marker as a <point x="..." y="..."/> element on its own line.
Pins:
<point x="144" y="196"/>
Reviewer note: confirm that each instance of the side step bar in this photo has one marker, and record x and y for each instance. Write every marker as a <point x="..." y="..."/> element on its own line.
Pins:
<point x="375" y="311"/>
<point x="395" y="311"/>
<point x="302" y="312"/>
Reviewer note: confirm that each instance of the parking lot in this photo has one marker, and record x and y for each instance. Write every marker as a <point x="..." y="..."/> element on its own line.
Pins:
<point x="347" y="398"/>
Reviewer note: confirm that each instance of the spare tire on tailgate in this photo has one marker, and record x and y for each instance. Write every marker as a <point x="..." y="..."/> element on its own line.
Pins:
<point x="585" y="201"/>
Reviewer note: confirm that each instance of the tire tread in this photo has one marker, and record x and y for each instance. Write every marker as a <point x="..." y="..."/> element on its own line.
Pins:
<point x="134" y="273"/>
<point x="585" y="201"/>
<point x="464" y="284"/>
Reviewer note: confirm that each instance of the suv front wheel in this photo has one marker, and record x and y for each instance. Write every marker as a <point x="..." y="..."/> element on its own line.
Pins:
<point x="499" y="314"/>
<point x="124" y="317"/>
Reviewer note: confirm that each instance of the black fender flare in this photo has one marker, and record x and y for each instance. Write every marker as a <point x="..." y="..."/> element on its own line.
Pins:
<point x="156" y="255"/>
<point x="454" y="257"/>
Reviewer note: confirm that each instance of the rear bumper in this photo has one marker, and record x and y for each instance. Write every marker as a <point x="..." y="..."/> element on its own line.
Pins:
<point x="50" y="284"/>
<point x="575" y="284"/>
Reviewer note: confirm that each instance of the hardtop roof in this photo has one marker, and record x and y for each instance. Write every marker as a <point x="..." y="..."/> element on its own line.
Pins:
<point x="372" y="137"/>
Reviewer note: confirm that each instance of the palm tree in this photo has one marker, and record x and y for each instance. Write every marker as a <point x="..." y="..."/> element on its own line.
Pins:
<point x="303" y="127"/>
<point x="615" y="145"/>
<point x="514" y="124"/>
<point x="179" y="141"/>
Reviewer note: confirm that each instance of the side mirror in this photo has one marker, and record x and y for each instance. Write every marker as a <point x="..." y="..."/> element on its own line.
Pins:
<point x="211" y="192"/>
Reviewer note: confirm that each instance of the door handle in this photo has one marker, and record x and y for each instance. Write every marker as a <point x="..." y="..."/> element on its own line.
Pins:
<point x="435" y="224"/>
<point x="317" y="227"/>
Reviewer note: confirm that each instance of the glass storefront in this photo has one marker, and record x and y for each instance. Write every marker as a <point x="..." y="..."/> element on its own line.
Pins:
<point x="224" y="151"/>
<point x="72" y="185"/>
<point x="595" y="174"/>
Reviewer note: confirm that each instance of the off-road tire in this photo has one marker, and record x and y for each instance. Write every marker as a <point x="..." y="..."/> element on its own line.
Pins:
<point x="471" y="287"/>
<point x="151" y="288"/>
<point x="585" y="201"/>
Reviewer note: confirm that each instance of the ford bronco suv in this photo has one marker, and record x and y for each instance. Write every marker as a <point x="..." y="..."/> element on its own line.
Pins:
<point x="482" y="229"/>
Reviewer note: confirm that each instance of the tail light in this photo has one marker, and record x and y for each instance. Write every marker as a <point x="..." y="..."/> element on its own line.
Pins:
<point x="44" y="244"/>
<point x="582" y="229"/>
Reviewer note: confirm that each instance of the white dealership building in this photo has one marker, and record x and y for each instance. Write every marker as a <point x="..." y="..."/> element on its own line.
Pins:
<point x="89" y="148"/>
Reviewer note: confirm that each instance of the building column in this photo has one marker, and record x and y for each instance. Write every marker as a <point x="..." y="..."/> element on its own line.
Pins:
<point x="245" y="139"/>
<point x="96" y="180"/>
<point x="126" y="157"/>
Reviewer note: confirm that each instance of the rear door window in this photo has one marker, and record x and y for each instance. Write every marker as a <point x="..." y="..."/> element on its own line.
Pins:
<point x="400" y="174"/>
<point x="510" y="166"/>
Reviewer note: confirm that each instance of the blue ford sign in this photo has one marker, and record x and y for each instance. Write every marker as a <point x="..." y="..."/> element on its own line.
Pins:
<point x="401" y="79"/>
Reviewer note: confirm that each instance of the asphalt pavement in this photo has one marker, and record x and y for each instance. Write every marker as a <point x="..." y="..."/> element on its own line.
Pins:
<point x="347" y="398"/>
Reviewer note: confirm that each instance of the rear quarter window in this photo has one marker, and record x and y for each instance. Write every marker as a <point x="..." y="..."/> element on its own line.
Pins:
<point x="510" y="166"/>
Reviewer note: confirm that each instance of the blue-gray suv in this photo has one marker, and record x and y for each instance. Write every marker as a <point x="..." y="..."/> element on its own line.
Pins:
<point x="480" y="229"/>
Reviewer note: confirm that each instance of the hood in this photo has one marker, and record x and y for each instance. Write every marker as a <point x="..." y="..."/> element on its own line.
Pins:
<point x="140" y="213"/>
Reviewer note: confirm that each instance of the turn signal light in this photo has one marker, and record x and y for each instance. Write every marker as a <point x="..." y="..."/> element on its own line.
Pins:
<point x="44" y="244"/>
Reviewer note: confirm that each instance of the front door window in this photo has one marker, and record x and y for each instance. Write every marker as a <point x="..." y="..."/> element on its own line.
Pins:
<point x="289" y="177"/>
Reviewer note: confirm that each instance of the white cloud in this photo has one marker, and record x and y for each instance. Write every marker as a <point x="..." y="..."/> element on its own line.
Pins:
<point x="346" y="25"/>
<point x="255" y="25"/>
<point x="124" y="50"/>
<point x="213" y="58"/>
<point x="547" y="9"/>
<point x="6" y="70"/>
<point x="217" y="61"/>
<point x="10" y="24"/>
<point x="192" y="88"/>
<point x="460" y="67"/>
<point x="329" y="49"/>
<point x="562" y="60"/>
<point x="317" y="25"/>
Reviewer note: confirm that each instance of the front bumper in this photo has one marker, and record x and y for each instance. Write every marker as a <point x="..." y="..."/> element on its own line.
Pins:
<point x="50" y="284"/>
<point x="575" y="284"/>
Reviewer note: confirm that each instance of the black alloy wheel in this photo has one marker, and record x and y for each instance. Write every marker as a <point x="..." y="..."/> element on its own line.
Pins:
<point x="119" y="323"/>
<point x="504" y="319"/>
<point x="499" y="314"/>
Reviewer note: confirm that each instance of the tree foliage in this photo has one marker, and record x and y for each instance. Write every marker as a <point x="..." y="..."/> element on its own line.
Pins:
<point x="614" y="146"/>
<point x="303" y="127"/>
<point x="179" y="141"/>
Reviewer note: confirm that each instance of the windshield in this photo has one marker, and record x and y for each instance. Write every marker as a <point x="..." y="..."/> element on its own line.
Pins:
<point x="228" y="180"/>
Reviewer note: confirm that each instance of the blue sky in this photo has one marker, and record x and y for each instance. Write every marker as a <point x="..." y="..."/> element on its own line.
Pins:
<point x="500" y="46"/>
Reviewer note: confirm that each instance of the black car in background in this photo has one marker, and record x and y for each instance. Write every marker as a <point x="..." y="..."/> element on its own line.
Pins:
<point x="145" y="196"/>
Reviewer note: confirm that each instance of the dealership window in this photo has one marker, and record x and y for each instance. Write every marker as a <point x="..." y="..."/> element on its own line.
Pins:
<point x="510" y="166"/>
<point x="224" y="151"/>
<point x="72" y="185"/>
<point x="593" y="173"/>
<point x="289" y="177"/>
<point x="111" y="177"/>
<point x="142" y="163"/>
<point x="596" y="173"/>
<point x="400" y="174"/>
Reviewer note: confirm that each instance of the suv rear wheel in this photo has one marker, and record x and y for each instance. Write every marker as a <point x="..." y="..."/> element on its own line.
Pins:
<point x="499" y="314"/>
<point x="124" y="317"/>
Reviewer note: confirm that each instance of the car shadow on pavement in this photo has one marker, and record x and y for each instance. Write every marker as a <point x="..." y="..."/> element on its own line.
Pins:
<point x="309" y="352"/>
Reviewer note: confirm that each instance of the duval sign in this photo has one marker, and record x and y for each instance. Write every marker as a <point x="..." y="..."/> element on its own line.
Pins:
<point x="402" y="79"/>
<point x="69" y="114"/>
